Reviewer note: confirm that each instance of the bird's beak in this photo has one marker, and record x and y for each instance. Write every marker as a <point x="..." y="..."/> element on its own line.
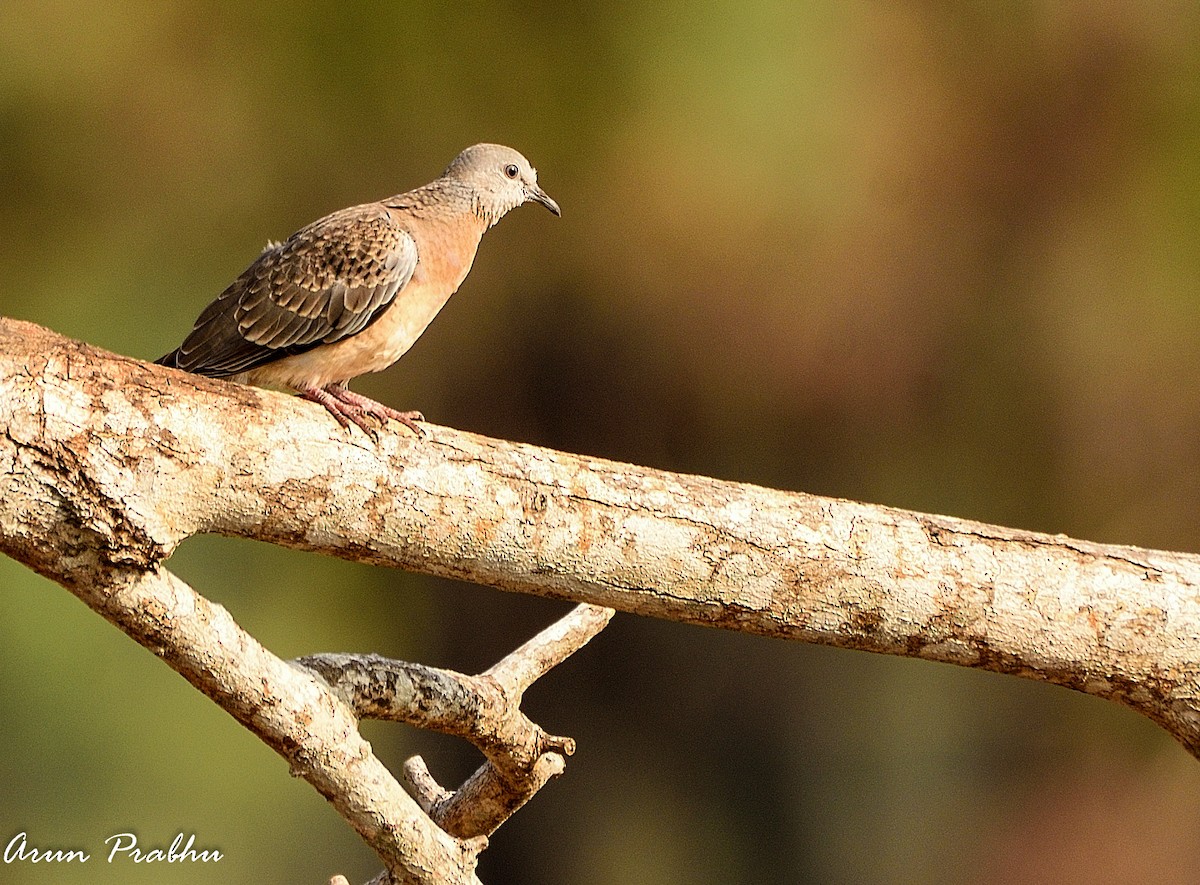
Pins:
<point x="537" y="195"/>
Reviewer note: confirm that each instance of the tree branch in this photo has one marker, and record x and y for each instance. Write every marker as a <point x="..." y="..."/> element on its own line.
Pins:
<point x="108" y="463"/>
<point x="290" y="710"/>
<point x="484" y="710"/>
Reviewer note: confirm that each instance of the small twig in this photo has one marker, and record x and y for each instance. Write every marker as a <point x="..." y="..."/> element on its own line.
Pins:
<point x="427" y="791"/>
<point x="537" y="657"/>
<point x="487" y="799"/>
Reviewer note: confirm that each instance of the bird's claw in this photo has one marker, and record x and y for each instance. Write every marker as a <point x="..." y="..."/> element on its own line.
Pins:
<point x="348" y="407"/>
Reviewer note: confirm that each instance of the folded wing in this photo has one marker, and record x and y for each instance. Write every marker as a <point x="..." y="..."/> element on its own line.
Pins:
<point x="326" y="282"/>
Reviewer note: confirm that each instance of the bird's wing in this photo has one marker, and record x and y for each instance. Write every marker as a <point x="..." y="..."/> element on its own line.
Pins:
<point x="326" y="282"/>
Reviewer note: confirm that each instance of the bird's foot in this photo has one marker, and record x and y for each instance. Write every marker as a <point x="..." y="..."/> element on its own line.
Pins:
<point x="346" y="406"/>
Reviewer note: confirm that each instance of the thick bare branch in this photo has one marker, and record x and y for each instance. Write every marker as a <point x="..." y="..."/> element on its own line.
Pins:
<point x="144" y="457"/>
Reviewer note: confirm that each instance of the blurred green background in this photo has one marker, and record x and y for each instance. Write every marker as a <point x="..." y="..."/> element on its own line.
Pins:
<point x="939" y="255"/>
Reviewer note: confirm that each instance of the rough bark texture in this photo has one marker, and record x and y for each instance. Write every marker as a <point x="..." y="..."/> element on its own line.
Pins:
<point x="107" y="463"/>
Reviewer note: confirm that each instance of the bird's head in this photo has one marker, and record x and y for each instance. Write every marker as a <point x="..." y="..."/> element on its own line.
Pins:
<point x="499" y="178"/>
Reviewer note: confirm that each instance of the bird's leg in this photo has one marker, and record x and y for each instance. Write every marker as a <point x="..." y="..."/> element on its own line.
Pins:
<point x="353" y="404"/>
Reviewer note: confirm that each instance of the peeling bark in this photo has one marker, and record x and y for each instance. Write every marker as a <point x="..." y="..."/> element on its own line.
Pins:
<point x="108" y="463"/>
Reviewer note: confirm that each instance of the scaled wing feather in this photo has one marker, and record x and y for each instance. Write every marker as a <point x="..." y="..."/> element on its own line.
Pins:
<point x="328" y="281"/>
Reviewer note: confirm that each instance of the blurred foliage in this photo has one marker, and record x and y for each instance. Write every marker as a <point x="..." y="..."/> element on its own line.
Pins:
<point x="936" y="255"/>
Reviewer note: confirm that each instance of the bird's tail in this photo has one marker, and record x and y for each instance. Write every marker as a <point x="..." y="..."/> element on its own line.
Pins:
<point x="169" y="359"/>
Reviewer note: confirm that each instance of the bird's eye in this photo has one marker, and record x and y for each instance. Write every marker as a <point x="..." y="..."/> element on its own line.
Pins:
<point x="511" y="170"/>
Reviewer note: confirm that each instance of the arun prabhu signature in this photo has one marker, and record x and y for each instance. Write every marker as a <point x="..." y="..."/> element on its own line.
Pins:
<point x="121" y="847"/>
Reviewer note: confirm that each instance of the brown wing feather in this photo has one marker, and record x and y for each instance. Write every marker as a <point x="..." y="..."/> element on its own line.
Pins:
<point x="328" y="281"/>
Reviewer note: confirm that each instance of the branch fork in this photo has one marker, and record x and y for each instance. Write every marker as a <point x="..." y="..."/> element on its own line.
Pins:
<point x="520" y="757"/>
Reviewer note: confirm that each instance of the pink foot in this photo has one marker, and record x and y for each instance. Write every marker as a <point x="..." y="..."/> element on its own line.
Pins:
<point x="347" y="406"/>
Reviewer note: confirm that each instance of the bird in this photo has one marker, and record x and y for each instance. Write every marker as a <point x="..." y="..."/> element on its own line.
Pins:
<point x="350" y="293"/>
